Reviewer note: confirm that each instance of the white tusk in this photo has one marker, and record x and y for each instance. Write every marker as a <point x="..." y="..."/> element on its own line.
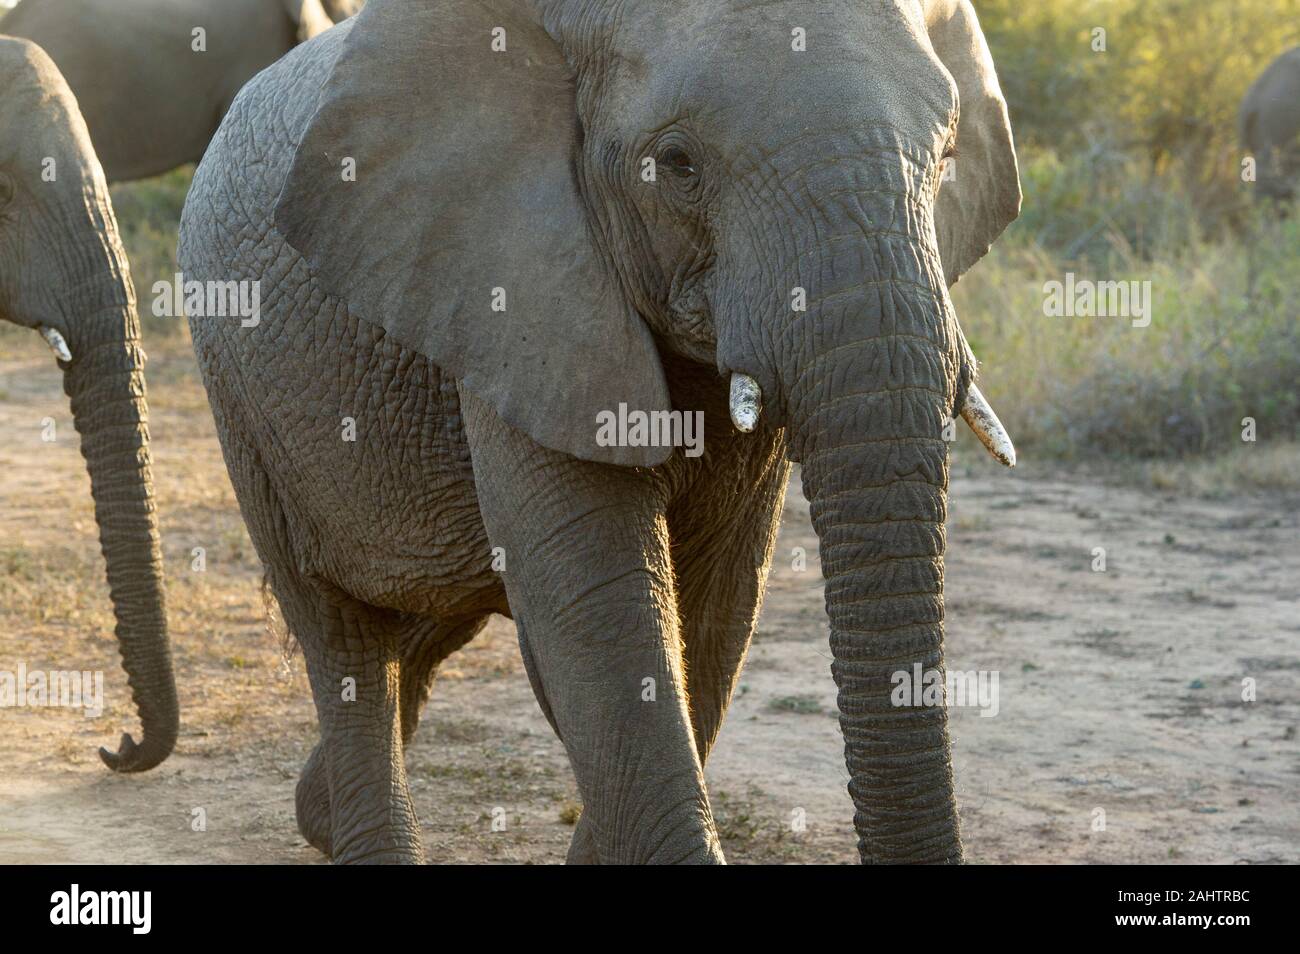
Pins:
<point x="987" y="427"/>
<point x="56" y="343"/>
<point x="746" y="402"/>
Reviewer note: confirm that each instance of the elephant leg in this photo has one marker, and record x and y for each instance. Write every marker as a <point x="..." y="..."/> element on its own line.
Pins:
<point x="353" y="659"/>
<point x="583" y="849"/>
<point x="722" y="549"/>
<point x="351" y="799"/>
<point x="590" y="586"/>
<point x="425" y="644"/>
<point x="423" y="650"/>
<point x="312" y="794"/>
<point x="722" y="542"/>
<point x="311" y="802"/>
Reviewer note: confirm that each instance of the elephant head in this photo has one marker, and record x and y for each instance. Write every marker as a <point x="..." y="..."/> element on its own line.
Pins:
<point x="63" y="272"/>
<point x="547" y="194"/>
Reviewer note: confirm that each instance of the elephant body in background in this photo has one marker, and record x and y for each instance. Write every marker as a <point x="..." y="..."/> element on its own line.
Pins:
<point x="465" y="272"/>
<point x="151" y="99"/>
<point x="63" y="272"/>
<point x="1269" y="122"/>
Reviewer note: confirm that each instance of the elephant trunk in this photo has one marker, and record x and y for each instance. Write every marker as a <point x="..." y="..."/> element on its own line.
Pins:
<point x="878" y="510"/>
<point x="868" y="392"/>
<point x="105" y="381"/>
<point x="875" y="471"/>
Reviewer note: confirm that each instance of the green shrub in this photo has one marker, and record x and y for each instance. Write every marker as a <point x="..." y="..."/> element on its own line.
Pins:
<point x="148" y="213"/>
<point x="1223" y="344"/>
<point x="1157" y="108"/>
<point x="1130" y="167"/>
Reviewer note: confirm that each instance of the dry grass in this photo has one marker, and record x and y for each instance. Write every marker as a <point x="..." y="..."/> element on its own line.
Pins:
<point x="1223" y="344"/>
<point x="1254" y="467"/>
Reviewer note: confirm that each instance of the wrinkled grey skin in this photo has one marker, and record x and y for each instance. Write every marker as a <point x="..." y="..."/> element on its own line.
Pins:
<point x="627" y="569"/>
<point x="152" y="103"/>
<point x="62" y="267"/>
<point x="1269" y="121"/>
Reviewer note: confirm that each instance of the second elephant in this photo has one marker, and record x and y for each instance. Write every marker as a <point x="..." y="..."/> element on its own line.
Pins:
<point x="151" y="87"/>
<point x="64" y="273"/>
<point x="1270" y="126"/>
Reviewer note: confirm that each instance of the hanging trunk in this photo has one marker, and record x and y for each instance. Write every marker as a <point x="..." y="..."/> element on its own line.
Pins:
<point x="105" y="381"/>
<point x="882" y="540"/>
<point x="867" y="401"/>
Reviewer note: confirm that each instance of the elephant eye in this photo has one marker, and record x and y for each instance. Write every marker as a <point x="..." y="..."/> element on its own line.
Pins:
<point x="678" y="162"/>
<point x="7" y="191"/>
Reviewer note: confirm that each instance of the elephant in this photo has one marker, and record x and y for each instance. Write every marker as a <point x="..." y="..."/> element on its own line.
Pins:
<point x="1269" y="123"/>
<point x="63" y="272"/>
<point x="508" y="251"/>
<point x="151" y="97"/>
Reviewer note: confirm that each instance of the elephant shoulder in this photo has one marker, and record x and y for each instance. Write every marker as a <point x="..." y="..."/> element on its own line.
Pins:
<point x="236" y="184"/>
<point x="270" y="114"/>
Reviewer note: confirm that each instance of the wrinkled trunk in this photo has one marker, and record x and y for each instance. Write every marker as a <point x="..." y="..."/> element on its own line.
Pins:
<point x="875" y="471"/>
<point x="105" y="381"/>
<point x="880" y="522"/>
<point x="867" y="403"/>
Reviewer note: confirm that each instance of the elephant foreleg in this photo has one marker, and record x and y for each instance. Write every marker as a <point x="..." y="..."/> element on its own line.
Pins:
<point x="353" y="662"/>
<point x="590" y="587"/>
<point x="721" y="553"/>
<point x="425" y="644"/>
<point x="721" y="548"/>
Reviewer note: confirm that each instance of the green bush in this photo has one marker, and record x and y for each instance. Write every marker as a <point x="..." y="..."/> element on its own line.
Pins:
<point x="1168" y="81"/>
<point x="1223" y="345"/>
<point x="1130" y="167"/>
<point x="148" y="213"/>
<point x="1101" y="205"/>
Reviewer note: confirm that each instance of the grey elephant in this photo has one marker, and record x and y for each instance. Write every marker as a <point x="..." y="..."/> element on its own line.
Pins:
<point x="509" y="251"/>
<point x="151" y="91"/>
<point x="63" y="273"/>
<point x="1269" y="123"/>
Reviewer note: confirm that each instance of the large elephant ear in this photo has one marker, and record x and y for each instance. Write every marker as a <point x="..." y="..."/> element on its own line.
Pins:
<point x="435" y="193"/>
<point x="982" y="197"/>
<point x="309" y="17"/>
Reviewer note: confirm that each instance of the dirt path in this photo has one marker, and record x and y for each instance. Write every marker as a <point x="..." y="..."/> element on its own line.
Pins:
<point x="1119" y="691"/>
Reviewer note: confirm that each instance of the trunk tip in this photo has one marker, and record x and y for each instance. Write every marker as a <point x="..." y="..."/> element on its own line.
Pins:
<point x="130" y="757"/>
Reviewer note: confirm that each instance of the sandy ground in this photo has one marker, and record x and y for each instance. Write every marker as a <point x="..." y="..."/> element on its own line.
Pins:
<point x="1120" y="692"/>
